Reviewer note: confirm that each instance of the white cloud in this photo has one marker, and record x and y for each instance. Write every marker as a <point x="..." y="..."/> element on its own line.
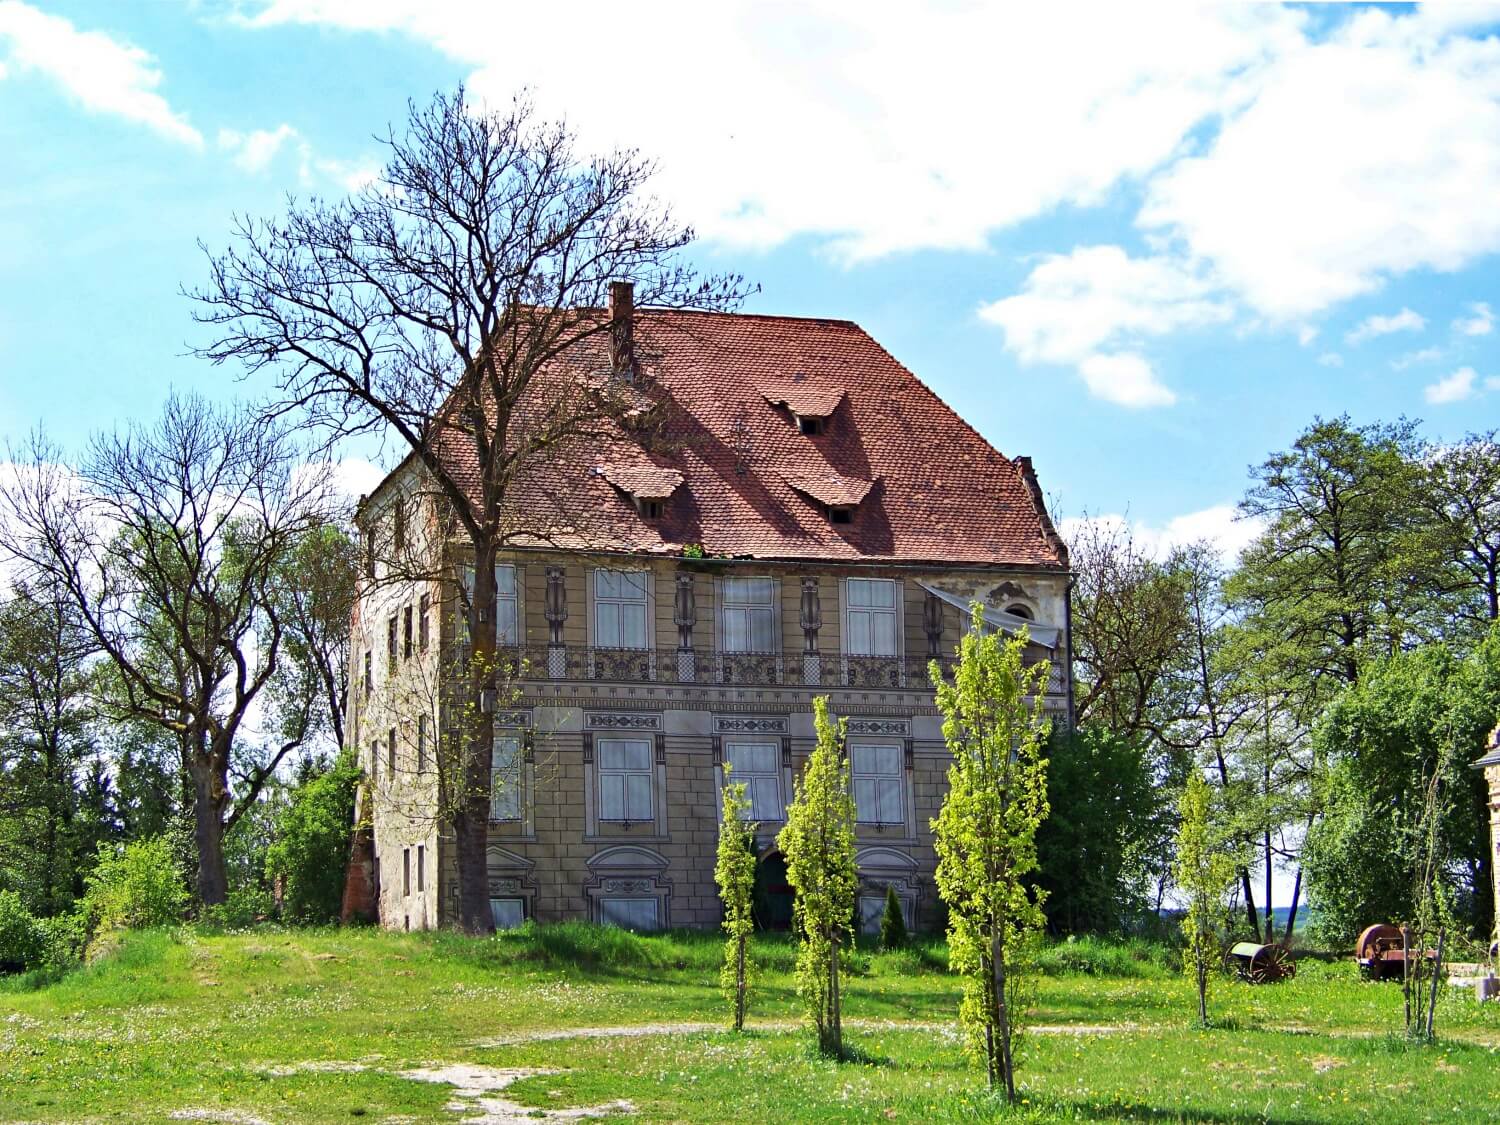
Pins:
<point x="1452" y="388"/>
<point x="1222" y="525"/>
<point x="103" y="74"/>
<point x="1412" y="359"/>
<point x="877" y="127"/>
<point x="1126" y="379"/>
<point x="1083" y="308"/>
<point x="1331" y="359"/>
<point x="254" y="151"/>
<point x="1306" y="334"/>
<point x="1480" y="322"/>
<point x="1373" y="326"/>
<point x="1361" y="156"/>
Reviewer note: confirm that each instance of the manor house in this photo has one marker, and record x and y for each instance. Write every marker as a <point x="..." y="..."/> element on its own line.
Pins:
<point x="807" y="519"/>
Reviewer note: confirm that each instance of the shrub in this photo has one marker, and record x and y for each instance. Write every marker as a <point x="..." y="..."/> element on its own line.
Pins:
<point x="243" y="907"/>
<point x="134" y="887"/>
<point x="64" y="937"/>
<point x="311" y="849"/>
<point x="892" y="922"/>
<point x="22" y="940"/>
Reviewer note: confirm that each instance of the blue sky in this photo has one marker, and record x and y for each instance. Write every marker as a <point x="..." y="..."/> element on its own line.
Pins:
<point x="1144" y="247"/>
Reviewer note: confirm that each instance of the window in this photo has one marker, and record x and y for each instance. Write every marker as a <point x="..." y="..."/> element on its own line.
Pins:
<point x="758" y="765"/>
<point x="505" y="779"/>
<point x="878" y="784"/>
<point x="406" y="633"/>
<point x="398" y="524"/>
<point x="810" y="426"/>
<point x="405" y="872"/>
<point x="374" y="760"/>
<point x="505" y="604"/>
<point x="369" y="674"/>
<point x="625" y="775"/>
<point x="840" y="515"/>
<point x="390" y="641"/>
<point x="619" y="608"/>
<point x="871" y="617"/>
<point x="391" y="751"/>
<point x="1019" y="611"/>
<point x="422" y="607"/>
<point x="629" y="913"/>
<point x="421" y="867"/>
<point x="748" y="614"/>
<point x="370" y="553"/>
<point x="421" y="743"/>
<point x="649" y="509"/>
<point x="507" y="913"/>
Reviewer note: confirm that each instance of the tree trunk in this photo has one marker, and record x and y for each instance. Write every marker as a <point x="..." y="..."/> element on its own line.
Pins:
<point x="835" y="1023"/>
<point x="1002" y="1017"/>
<point x="208" y="833"/>
<point x="1291" y="914"/>
<point x="1249" y="892"/>
<point x="1202" y="995"/>
<point x="739" y="984"/>
<point x="1270" y="912"/>
<point x="472" y="817"/>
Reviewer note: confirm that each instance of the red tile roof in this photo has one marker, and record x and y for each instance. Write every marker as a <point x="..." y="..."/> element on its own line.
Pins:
<point x="646" y="481"/>
<point x="805" y="399"/>
<point x="928" y="487"/>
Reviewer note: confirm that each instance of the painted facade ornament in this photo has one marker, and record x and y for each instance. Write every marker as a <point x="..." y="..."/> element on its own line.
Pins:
<point x="932" y="624"/>
<point x="685" y="611"/>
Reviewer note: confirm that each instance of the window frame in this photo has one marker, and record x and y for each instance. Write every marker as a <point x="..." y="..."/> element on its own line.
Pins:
<point x="515" y="785"/>
<point x="871" y="611"/>
<point x="424" y="603"/>
<point x="390" y="752"/>
<point x="773" y="775"/>
<point x="604" y="772"/>
<point x="729" y="604"/>
<point x="421" y="868"/>
<point x="601" y="601"/>
<point x="867" y="777"/>
<point x="422" y="743"/>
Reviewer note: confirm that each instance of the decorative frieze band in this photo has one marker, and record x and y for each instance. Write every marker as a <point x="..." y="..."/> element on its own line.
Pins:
<point x="520" y="719"/>
<point x="896" y="728"/>
<point x="622" y="720"/>
<point x="750" y="724"/>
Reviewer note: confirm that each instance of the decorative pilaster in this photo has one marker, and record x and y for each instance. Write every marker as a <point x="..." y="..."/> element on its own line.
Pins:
<point x="932" y="624"/>
<point x="811" y="621"/>
<point x="555" y="606"/>
<point x="685" y="615"/>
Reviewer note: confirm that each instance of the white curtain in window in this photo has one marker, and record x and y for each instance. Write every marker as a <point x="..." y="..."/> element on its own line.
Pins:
<point x="872" y="619"/>
<point x="758" y="765"/>
<point x="748" y="614"/>
<point x="625" y="780"/>
<point x="878" y="784"/>
<point x="505" y="779"/>
<point x="619" y="609"/>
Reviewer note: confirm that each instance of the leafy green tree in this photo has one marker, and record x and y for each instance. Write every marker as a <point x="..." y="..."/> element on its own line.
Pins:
<point x="1108" y="835"/>
<point x="819" y="845"/>
<point x="311" y="847"/>
<point x="1412" y="717"/>
<point x="47" y="750"/>
<point x="1204" y="872"/>
<point x="986" y="835"/>
<point x="892" y="922"/>
<point x="1460" y="496"/>
<point x="734" y="871"/>
<point x="135" y="886"/>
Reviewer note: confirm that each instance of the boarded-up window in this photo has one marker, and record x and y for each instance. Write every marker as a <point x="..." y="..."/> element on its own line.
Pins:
<point x="630" y="913"/>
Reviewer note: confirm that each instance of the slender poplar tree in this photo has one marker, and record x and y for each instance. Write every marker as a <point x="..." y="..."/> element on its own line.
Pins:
<point x="818" y="842"/>
<point x="735" y="874"/>
<point x="1204" y="872"/>
<point x="986" y="836"/>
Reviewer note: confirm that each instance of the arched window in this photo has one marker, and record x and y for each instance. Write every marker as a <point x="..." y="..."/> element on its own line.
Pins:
<point x="1019" y="610"/>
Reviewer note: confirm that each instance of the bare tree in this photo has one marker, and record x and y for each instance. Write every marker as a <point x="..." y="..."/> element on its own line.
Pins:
<point x="455" y="305"/>
<point x="169" y="541"/>
<point x="1460" y="495"/>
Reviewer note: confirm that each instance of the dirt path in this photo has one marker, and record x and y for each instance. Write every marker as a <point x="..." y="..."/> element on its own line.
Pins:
<point x="699" y="1027"/>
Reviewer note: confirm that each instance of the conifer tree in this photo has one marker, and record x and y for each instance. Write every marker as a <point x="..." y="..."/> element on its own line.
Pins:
<point x="818" y="842"/>
<point x="986" y="836"/>
<point x="735" y="874"/>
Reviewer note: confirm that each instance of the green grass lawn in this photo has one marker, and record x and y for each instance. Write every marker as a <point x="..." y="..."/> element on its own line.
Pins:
<point x="291" y="1026"/>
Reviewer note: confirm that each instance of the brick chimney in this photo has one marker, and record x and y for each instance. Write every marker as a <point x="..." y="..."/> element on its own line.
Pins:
<point x="622" y="328"/>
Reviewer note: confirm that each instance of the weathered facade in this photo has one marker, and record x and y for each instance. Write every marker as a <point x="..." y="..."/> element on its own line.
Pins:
<point x="816" y="522"/>
<point x="1490" y="764"/>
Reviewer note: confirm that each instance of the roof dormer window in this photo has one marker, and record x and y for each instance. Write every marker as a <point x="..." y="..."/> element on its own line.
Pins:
<point x="812" y="427"/>
<point x="840" y="514"/>
<point x="649" y="509"/>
